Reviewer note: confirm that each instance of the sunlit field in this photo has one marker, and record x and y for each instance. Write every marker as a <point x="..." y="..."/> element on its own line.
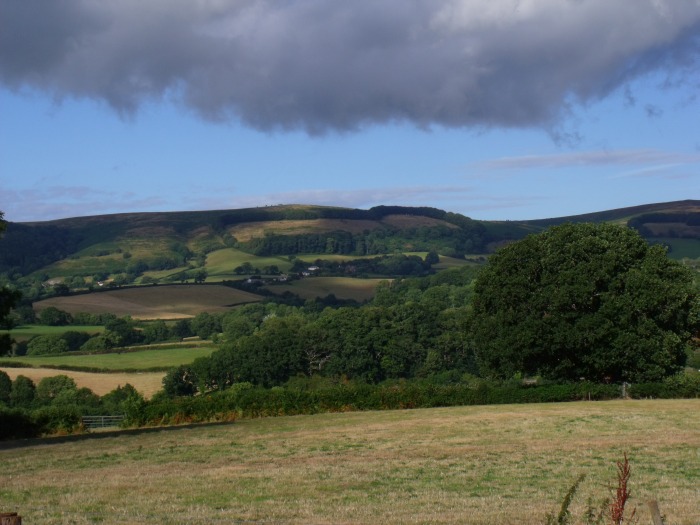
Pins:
<point x="147" y="383"/>
<point x="477" y="465"/>
<point x="342" y="287"/>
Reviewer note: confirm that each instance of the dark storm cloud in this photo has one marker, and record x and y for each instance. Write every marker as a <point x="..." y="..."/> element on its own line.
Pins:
<point x="322" y="65"/>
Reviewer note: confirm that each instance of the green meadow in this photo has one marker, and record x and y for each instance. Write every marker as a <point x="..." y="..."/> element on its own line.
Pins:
<point x="132" y="361"/>
<point x="23" y="333"/>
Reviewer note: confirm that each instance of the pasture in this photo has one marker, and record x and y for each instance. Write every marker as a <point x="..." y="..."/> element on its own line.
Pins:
<point x="221" y="263"/>
<point x="140" y="360"/>
<point x="342" y="287"/>
<point x="23" y="333"/>
<point x="153" y="302"/>
<point x="477" y="465"/>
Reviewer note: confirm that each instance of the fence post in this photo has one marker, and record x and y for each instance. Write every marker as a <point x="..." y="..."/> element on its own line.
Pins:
<point x="10" y="518"/>
<point x="655" y="513"/>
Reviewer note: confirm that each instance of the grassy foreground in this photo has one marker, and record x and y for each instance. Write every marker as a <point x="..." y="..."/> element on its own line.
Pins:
<point x="481" y="465"/>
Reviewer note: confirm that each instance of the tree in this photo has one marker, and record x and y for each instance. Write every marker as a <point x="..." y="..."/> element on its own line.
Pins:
<point x="5" y="388"/>
<point x="55" y="387"/>
<point x="180" y="381"/>
<point x="156" y="332"/>
<point x="8" y="298"/>
<point x="47" y="344"/>
<point x="52" y="316"/>
<point x="584" y="301"/>
<point x="6" y="344"/>
<point x="23" y="392"/>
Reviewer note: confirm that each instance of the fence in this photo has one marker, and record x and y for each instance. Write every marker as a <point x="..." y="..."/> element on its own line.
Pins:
<point x="92" y="422"/>
<point x="10" y="518"/>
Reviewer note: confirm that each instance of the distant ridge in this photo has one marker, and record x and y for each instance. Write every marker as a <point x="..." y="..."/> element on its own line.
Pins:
<point x="685" y="206"/>
<point x="176" y="242"/>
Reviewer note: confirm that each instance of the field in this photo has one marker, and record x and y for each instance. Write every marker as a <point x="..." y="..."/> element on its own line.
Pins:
<point x="221" y="263"/>
<point x="477" y="465"/>
<point x="682" y="248"/>
<point x="153" y="302"/>
<point x="141" y="360"/>
<point x="147" y="383"/>
<point x="342" y="287"/>
<point x="23" y="333"/>
<point x="119" y="368"/>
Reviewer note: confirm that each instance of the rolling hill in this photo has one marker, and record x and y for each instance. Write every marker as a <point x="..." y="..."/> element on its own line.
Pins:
<point x="83" y="253"/>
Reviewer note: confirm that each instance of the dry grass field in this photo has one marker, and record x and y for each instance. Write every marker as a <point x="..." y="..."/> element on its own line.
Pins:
<point x="252" y="230"/>
<point x="342" y="287"/>
<point x="153" y="302"/>
<point x="147" y="383"/>
<point x="479" y="465"/>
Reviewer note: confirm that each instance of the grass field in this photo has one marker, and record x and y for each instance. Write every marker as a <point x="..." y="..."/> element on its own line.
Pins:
<point x="681" y="248"/>
<point x="479" y="465"/>
<point x="147" y="383"/>
<point x="221" y="263"/>
<point x="142" y="360"/>
<point x="154" y="302"/>
<point x="23" y="333"/>
<point x="342" y="287"/>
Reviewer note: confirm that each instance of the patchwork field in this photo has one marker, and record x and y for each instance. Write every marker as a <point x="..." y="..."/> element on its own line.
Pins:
<point x="154" y="302"/>
<point x="478" y="465"/>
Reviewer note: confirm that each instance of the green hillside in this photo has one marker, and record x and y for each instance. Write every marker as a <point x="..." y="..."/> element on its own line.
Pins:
<point x="45" y="259"/>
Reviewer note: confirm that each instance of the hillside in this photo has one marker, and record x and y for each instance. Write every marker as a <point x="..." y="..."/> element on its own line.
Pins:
<point x="81" y="253"/>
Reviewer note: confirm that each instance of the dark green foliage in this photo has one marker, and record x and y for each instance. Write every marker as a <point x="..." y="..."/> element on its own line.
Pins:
<point x="205" y="325"/>
<point x="119" y="400"/>
<point x="8" y="300"/>
<point x="182" y="329"/>
<point x="584" y="301"/>
<point x="26" y="248"/>
<point x="6" y="343"/>
<point x="687" y="218"/>
<point x="675" y="387"/>
<point x="244" y="400"/>
<point x="50" y="344"/>
<point x="47" y="345"/>
<point x="121" y="332"/>
<point x="75" y="339"/>
<point x="23" y="392"/>
<point x="180" y="381"/>
<point x="57" y="388"/>
<point x="17" y="424"/>
<point x="52" y="316"/>
<point x="5" y="388"/>
<point x="156" y="331"/>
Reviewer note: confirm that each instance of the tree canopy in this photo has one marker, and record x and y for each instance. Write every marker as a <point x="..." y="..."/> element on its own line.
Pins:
<point x="591" y="301"/>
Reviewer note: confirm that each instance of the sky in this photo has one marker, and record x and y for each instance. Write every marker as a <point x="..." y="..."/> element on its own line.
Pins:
<point x="496" y="109"/>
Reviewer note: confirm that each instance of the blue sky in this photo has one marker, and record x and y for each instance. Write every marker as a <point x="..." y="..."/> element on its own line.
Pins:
<point x="522" y="122"/>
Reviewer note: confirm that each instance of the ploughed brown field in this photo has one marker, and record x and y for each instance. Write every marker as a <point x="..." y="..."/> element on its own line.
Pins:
<point x="154" y="302"/>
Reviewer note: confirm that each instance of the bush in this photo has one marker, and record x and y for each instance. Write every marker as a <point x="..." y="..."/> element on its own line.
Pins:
<point x="17" y="424"/>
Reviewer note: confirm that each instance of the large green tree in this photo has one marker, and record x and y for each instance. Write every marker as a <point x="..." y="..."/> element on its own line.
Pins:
<point x="8" y="299"/>
<point x="591" y="301"/>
